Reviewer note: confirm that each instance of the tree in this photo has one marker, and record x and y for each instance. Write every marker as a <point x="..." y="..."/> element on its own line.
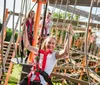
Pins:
<point x="9" y="34"/>
<point x="65" y="16"/>
<point x="57" y="15"/>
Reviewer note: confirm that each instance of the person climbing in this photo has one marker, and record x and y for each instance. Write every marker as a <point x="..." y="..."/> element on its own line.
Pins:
<point x="47" y="26"/>
<point x="29" y="23"/>
<point x="40" y="74"/>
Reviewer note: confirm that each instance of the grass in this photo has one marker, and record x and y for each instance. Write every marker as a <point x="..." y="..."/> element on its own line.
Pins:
<point x="15" y="76"/>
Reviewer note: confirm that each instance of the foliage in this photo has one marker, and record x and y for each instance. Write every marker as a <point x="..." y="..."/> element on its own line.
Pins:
<point x="9" y="34"/>
<point x="65" y="16"/>
<point x="15" y="76"/>
<point x="57" y="15"/>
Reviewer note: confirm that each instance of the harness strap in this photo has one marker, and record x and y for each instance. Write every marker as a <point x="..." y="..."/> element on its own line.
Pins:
<point x="29" y="77"/>
<point x="45" y="53"/>
<point x="37" y="78"/>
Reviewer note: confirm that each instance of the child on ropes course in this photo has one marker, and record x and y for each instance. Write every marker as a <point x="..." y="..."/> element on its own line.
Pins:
<point x="29" y="22"/>
<point x="47" y="26"/>
<point x="96" y="37"/>
<point x="40" y="74"/>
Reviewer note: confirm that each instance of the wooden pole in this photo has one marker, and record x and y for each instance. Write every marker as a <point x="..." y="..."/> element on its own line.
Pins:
<point x="3" y="35"/>
<point x="6" y="16"/>
<point x="36" y="26"/>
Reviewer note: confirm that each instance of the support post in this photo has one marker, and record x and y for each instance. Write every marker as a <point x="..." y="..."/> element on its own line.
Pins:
<point x="36" y="26"/>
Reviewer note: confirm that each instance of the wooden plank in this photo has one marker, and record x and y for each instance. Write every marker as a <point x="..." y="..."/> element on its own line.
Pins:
<point x="70" y="78"/>
<point x="75" y="22"/>
<point x="77" y="11"/>
<point x="94" y="75"/>
<point x="57" y="80"/>
<point x="79" y="2"/>
<point x="11" y="64"/>
<point x="67" y="67"/>
<point x="16" y="14"/>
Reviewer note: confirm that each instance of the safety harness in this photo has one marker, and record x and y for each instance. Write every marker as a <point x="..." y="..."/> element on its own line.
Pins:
<point x="41" y="71"/>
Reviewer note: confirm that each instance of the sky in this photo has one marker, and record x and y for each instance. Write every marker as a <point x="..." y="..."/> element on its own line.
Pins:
<point x="9" y="5"/>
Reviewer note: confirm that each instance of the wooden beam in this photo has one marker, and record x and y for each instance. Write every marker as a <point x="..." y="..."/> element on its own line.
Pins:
<point x="79" y="2"/>
<point x="11" y="64"/>
<point x="77" y="11"/>
<point x="66" y="67"/>
<point x="94" y="75"/>
<point x="70" y="78"/>
<point x="75" y="22"/>
<point x="16" y="14"/>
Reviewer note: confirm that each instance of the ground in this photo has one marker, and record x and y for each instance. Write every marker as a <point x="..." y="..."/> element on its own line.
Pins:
<point x="15" y="76"/>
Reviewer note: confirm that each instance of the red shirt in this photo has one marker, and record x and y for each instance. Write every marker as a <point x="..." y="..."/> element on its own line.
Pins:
<point x="29" y="25"/>
<point x="29" y="28"/>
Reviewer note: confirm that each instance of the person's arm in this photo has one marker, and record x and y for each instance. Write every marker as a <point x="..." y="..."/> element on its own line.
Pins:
<point x="92" y="37"/>
<point x="40" y="26"/>
<point x="49" y="25"/>
<point x="64" y="52"/>
<point x="23" y="21"/>
<point x="27" y="44"/>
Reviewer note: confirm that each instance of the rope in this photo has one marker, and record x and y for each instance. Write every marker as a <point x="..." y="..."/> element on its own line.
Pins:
<point x="29" y="11"/>
<point x="37" y="79"/>
<point x="86" y="41"/>
<point x="73" y="11"/>
<point x="93" y="18"/>
<point x="26" y="8"/>
<point x="68" y="33"/>
<point x="13" y="32"/>
<point x="19" y="33"/>
<point x="44" y="18"/>
<point x="20" y="27"/>
<point x="13" y="23"/>
<point x="7" y="20"/>
<point x="54" y="9"/>
<point x="34" y="4"/>
<point x="64" y="21"/>
<point x="29" y="4"/>
<point x="58" y="17"/>
<point x="23" y="4"/>
<point x="20" y="17"/>
<point x="59" y="14"/>
<point x="42" y="32"/>
<point x="96" y="11"/>
<point x="2" y="38"/>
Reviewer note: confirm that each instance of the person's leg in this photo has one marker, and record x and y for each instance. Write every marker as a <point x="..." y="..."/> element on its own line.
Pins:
<point x="24" y="81"/>
<point x="22" y="49"/>
<point x="28" y="52"/>
<point x="35" y="83"/>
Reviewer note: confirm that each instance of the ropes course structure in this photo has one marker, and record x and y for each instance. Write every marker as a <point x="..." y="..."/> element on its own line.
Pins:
<point x="81" y="66"/>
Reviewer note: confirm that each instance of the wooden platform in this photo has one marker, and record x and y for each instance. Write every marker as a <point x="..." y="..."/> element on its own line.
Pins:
<point x="70" y="78"/>
<point x="18" y="60"/>
<point x="26" y="68"/>
<point x="79" y="2"/>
